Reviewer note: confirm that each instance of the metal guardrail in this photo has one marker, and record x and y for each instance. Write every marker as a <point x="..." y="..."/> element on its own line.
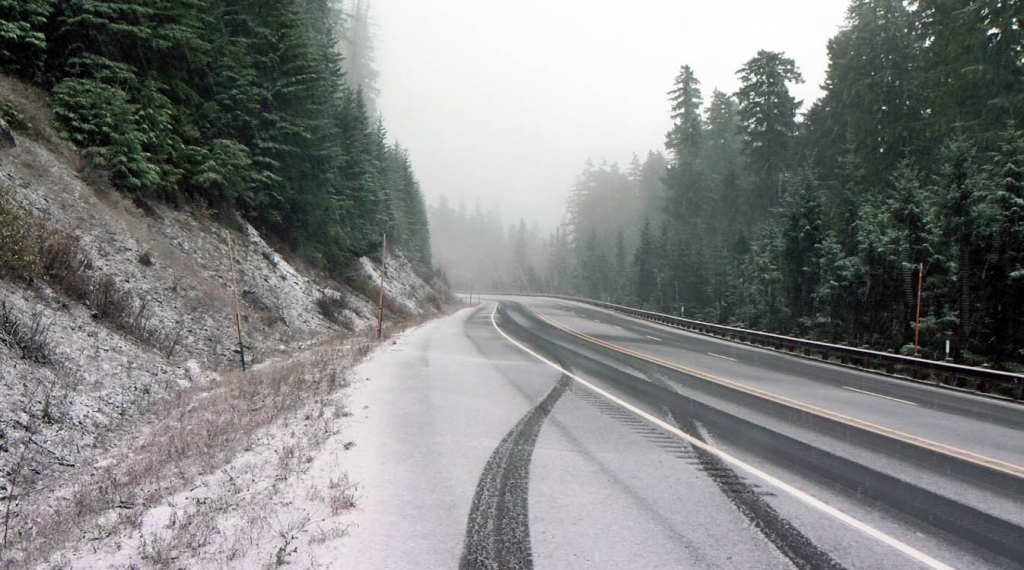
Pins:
<point x="971" y="378"/>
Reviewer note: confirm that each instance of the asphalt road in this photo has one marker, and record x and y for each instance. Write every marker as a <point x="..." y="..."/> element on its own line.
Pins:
<point x="539" y="433"/>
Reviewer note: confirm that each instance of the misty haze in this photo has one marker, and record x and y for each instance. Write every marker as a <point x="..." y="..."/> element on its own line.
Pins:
<point x="552" y="284"/>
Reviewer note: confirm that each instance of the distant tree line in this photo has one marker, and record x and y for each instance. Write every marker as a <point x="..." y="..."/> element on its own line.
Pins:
<point x="479" y="253"/>
<point x="818" y="225"/>
<point x="240" y="106"/>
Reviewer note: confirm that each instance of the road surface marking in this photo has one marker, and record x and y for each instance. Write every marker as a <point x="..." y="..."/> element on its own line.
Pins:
<point x="722" y="357"/>
<point x="653" y="337"/>
<point x="948" y="450"/>
<point x="740" y="464"/>
<point x="879" y="396"/>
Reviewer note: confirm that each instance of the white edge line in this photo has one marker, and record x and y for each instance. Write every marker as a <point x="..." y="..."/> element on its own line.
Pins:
<point x="652" y="337"/>
<point x="722" y="357"/>
<point x="770" y="479"/>
<point x="879" y="396"/>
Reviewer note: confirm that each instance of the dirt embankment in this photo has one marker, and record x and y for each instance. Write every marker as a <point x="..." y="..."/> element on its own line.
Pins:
<point x="115" y="321"/>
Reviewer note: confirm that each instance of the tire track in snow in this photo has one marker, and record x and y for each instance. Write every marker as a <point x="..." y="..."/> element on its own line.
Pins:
<point x="781" y="533"/>
<point x="498" y="529"/>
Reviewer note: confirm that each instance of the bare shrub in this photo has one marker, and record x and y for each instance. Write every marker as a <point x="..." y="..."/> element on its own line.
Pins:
<point x="32" y="339"/>
<point x="111" y="303"/>
<point x="322" y="535"/>
<point x="11" y="486"/>
<point x="288" y="531"/>
<point x="30" y="248"/>
<point x="156" y="550"/>
<point x="332" y="307"/>
<point x="397" y="310"/>
<point x="436" y="300"/>
<point x="18" y="250"/>
<point x="363" y="285"/>
<point x="342" y="496"/>
<point x="30" y="103"/>
<point x="167" y="342"/>
<point x="65" y="263"/>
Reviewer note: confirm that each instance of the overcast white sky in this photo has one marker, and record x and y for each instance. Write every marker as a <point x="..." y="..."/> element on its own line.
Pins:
<point x="505" y="101"/>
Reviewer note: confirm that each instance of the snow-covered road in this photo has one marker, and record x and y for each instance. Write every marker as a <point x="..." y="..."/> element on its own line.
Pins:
<point x="430" y="424"/>
<point x="493" y="439"/>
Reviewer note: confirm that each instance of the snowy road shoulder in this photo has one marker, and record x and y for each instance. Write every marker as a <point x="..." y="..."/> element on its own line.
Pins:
<point x="426" y="422"/>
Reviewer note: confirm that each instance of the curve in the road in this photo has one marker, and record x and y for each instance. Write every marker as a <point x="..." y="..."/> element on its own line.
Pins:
<point x="957" y="453"/>
<point x="737" y="463"/>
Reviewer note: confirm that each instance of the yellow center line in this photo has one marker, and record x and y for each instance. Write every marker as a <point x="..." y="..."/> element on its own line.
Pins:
<point x="768" y="478"/>
<point x="948" y="450"/>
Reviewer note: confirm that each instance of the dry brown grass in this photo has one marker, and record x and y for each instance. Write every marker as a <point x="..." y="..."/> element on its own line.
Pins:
<point x="343" y="495"/>
<point x="33" y="249"/>
<point x="30" y="336"/>
<point x="194" y="433"/>
<point x="332" y="307"/>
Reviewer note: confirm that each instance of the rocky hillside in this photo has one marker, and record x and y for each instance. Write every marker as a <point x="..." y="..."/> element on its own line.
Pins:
<point x="110" y="309"/>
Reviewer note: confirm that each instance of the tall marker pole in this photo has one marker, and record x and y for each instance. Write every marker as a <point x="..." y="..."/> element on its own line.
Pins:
<point x="917" y="323"/>
<point x="383" y="272"/>
<point x="234" y="293"/>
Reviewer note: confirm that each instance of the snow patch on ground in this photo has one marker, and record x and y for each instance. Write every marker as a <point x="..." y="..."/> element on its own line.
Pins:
<point x="287" y="500"/>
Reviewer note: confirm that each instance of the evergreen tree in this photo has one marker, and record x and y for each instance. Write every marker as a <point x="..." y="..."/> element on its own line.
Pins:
<point x="973" y="67"/>
<point x="686" y="99"/>
<point x="358" y="50"/>
<point x="801" y="236"/>
<point x="645" y="261"/>
<point x="23" y="37"/>
<point x="768" y="120"/>
<point x="241" y="106"/>
<point x="620" y="277"/>
<point x="1001" y="295"/>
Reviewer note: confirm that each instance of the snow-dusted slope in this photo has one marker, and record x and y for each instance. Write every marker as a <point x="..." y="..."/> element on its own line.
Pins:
<point x="96" y="381"/>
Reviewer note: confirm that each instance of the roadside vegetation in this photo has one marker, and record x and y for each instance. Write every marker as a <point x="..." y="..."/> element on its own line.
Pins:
<point x="196" y="432"/>
<point x="116" y="356"/>
<point x="32" y="249"/>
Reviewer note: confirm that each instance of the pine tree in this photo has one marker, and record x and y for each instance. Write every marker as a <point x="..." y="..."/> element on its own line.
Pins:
<point x="684" y="138"/>
<point x="768" y="120"/>
<point x="873" y="103"/>
<point x="357" y="47"/>
<point x="802" y="235"/>
<point x="620" y="277"/>
<point x="23" y="37"/>
<point x="1001" y="299"/>
<point x="645" y="262"/>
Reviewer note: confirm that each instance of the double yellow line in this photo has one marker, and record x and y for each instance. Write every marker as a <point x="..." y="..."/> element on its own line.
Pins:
<point x="947" y="450"/>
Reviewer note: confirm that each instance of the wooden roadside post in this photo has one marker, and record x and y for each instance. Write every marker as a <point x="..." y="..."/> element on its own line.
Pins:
<point x="383" y="273"/>
<point x="234" y="293"/>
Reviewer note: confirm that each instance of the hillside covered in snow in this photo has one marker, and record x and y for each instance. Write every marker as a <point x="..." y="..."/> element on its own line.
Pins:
<point x="120" y="362"/>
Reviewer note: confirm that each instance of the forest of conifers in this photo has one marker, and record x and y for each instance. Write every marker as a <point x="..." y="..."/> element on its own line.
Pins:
<point x="243" y="107"/>
<point x="816" y="225"/>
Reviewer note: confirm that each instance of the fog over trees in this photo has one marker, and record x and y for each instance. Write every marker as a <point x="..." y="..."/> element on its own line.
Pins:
<point x="814" y="225"/>
<point x="257" y="108"/>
